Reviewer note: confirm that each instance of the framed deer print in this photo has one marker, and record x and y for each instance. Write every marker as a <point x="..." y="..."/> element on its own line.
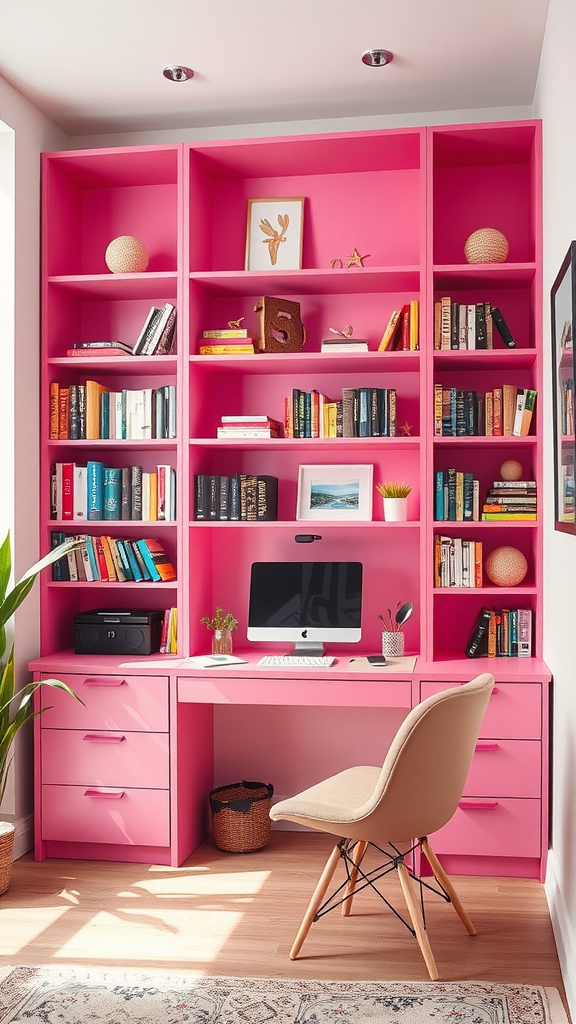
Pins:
<point x="274" y="234"/>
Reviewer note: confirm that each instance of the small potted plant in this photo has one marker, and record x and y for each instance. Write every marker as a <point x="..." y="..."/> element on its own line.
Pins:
<point x="395" y="500"/>
<point x="223" y="627"/>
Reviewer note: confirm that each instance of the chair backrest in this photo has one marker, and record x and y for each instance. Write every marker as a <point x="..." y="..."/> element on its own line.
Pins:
<point x="425" y="769"/>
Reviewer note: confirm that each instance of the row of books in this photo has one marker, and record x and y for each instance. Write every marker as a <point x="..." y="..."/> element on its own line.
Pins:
<point x="362" y="412"/>
<point x="92" y="411"/>
<point x="240" y="498"/>
<point x="503" y="412"/>
<point x="157" y="338"/>
<point x="107" y="559"/>
<point x="457" y="496"/>
<point x="457" y="562"/>
<point x="98" y="492"/>
<point x="566" y="406"/>
<point x="402" y="330"/>
<point x="501" y="633"/>
<point x="511" y="501"/>
<point x="460" y="325"/>
<point x="169" y="634"/>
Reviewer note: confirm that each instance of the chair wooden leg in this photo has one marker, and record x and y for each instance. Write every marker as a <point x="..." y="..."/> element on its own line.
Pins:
<point x="441" y="877"/>
<point x="357" y="854"/>
<point x="417" y="921"/>
<point x="319" y="893"/>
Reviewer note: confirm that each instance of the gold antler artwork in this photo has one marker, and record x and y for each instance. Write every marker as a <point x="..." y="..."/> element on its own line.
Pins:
<point x="275" y="238"/>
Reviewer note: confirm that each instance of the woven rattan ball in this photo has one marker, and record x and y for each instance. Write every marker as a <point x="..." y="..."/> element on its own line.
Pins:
<point x="506" y="566"/>
<point x="511" y="470"/>
<point x="126" y="255"/>
<point x="487" y="245"/>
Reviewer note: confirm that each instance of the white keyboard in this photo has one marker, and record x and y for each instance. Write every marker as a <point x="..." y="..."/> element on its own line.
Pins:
<point x="289" y="661"/>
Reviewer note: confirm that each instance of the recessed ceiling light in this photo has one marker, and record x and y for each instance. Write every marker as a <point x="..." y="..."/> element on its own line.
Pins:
<point x="177" y="73"/>
<point x="377" y="58"/>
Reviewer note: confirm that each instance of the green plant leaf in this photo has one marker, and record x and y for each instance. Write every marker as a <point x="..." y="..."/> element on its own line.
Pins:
<point x="5" y="565"/>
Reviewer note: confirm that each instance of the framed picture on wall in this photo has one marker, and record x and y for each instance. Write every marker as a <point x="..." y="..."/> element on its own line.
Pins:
<point x="335" y="492"/>
<point x="563" y="302"/>
<point x="274" y="234"/>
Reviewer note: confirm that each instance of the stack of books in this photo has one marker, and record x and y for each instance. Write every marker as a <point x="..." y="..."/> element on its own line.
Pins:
<point x="510" y="501"/>
<point x="239" y="498"/>
<point x="97" y="492"/>
<point x="402" y="329"/>
<point x="111" y="560"/>
<point x="343" y="344"/>
<point x="501" y="633"/>
<point x="249" y="426"/>
<point x="457" y="562"/>
<point x="231" y="342"/>
<point x="102" y="349"/>
<point x="158" y="337"/>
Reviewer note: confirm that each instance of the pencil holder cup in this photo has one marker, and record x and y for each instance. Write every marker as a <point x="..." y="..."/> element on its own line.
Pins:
<point x="392" y="644"/>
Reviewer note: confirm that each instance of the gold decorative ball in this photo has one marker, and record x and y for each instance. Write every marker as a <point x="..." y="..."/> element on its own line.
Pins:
<point x="487" y="245"/>
<point x="506" y="566"/>
<point x="511" y="470"/>
<point x="126" y="255"/>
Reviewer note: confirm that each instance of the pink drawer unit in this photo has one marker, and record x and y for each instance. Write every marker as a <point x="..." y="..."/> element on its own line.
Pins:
<point x="514" y="710"/>
<point x="134" y="703"/>
<point x="491" y="828"/>
<point x="97" y="814"/>
<point x="133" y="759"/>
<point x="505" y="768"/>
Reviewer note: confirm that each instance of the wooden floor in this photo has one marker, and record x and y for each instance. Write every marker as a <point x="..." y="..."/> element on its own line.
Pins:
<point x="237" y="914"/>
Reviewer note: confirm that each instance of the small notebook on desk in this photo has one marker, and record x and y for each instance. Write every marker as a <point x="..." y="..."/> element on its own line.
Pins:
<point x="216" y="660"/>
<point x="392" y="665"/>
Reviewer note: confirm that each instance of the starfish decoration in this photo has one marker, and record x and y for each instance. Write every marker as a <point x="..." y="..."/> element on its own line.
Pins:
<point x="406" y="428"/>
<point x="235" y="324"/>
<point x="355" y="260"/>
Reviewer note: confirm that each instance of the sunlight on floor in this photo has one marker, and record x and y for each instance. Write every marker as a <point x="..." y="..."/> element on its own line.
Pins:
<point x="216" y="884"/>
<point x="26" y="926"/>
<point x="140" y="935"/>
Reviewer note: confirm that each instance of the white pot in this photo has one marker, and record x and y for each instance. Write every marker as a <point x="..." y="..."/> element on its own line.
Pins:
<point x="395" y="509"/>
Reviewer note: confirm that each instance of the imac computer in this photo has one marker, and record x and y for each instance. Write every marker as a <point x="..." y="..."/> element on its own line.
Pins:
<point x="305" y="603"/>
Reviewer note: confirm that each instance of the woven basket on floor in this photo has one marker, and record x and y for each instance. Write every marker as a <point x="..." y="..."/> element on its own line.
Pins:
<point x="7" y="831"/>
<point x="241" y="816"/>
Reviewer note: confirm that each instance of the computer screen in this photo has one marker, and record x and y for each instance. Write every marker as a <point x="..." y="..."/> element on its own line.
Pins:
<point x="307" y="603"/>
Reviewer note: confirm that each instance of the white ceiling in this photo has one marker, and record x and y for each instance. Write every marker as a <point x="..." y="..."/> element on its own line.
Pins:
<point x="96" y="65"/>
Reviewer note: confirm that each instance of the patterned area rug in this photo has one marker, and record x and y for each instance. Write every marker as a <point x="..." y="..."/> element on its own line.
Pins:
<point x="46" y="995"/>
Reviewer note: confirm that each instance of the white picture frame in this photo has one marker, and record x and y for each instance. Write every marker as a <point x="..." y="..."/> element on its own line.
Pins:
<point x="349" y="487"/>
<point x="274" y="234"/>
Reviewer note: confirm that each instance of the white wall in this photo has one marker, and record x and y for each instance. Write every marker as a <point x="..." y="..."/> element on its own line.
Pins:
<point x="555" y="103"/>
<point x="33" y="133"/>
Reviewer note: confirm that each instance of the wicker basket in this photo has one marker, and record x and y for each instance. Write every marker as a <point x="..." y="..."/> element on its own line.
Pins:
<point x="7" y="831"/>
<point x="241" y="816"/>
<point x="487" y="245"/>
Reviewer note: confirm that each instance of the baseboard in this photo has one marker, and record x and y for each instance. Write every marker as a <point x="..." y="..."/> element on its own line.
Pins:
<point x="24" y="836"/>
<point x="561" y="928"/>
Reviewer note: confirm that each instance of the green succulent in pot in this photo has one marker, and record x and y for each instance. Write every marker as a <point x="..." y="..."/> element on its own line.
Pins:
<point x="17" y="706"/>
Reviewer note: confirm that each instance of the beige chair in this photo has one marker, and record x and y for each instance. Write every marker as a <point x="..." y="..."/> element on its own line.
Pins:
<point x="414" y="793"/>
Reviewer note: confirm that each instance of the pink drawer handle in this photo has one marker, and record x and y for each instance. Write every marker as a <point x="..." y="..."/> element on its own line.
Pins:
<point x="478" y="805"/>
<point x="95" y="737"/>
<point x="110" y="794"/>
<point x="484" y="745"/>
<point x="104" y="681"/>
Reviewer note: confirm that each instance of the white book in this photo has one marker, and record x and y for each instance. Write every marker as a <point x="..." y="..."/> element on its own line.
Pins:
<point x="462" y="326"/>
<point x="520" y="402"/>
<point x="80" y="493"/>
<point x="117" y="411"/>
<point x="166" y="493"/>
<point x="87" y="564"/>
<point x="458" y="581"/>
<point x="471" y="326"/>
<point x="147" y="414"/>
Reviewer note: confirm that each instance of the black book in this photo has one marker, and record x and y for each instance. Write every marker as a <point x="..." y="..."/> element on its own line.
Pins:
<point x="481" y="334"/>
<point x="461" y="420"/>
<point x="477" y="646"/>
<point x="454" y="332"/>
<point x="213" y="496"/>
<point x="224" y="498"/>
<point x="267" y="497"/>
<point x="234" y="501"/>
<point x="61" y="568"/>
<point x="201" y="496"/>
<point x="74" y="414"/>
<point x="502" y="327"/>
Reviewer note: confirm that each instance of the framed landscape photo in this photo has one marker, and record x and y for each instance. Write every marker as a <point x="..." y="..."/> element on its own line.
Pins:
<point x="274" y="234"/>
<point x="563" y="302"/>
<point x="335" y="492"/>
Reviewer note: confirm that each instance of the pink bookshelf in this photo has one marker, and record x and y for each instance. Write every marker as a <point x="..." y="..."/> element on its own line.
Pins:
<point x="407" y="198"/>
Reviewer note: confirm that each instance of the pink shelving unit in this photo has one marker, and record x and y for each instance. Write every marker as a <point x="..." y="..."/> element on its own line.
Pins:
<point x="409" y="198"/>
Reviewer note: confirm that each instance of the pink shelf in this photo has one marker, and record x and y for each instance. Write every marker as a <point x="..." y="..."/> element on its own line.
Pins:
<point x="320" y="281"/>
<point x="310" y="362"/>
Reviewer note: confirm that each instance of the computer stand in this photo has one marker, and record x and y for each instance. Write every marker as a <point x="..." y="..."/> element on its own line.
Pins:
<point x="308" y="649"/>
